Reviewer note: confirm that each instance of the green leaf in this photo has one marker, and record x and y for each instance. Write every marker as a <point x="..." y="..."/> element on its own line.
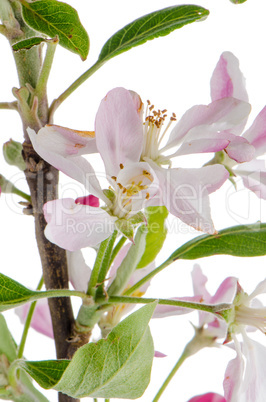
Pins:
<point x="116" y="367"/>
<point x="52" y="18"/>
<point x="28" y="43"/>
<point x="150" y="26"/>
<point x="13" y="293"/>
<point x="240" y="241"/>
<point x="7" y="343"/>
<point x="47" y="372"/>
<point x="8" y="348"/>
<point x="156" y="234"/>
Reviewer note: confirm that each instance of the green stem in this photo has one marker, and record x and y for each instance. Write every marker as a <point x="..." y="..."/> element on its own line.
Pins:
<point x="201" y="339"/>
<point x="46" y="68"/>
<point x="43" y="295"/>
<point x="117" y="248"/>
<point x="105" y="264"/>
<point x="210" y="308"/>
<point x="101" y="264"/>
<point x="16" y="191"/>
<point x="9" y="105"/>
<point x="61" y="293"/>
<point x="170" y="376"/>
<point x="27" y="324"/>
<point x="57" y="102"/>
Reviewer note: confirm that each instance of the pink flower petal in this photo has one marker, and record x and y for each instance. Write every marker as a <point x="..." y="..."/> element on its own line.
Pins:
<point x="227" y="79"/>
<point x="217" y="328"/>
<point x="240" y="150"/>
<point x="73" y="226"/>
<point x="226" y="291"/>
<point x="245" y="379"/>
<point x="141" y="273"/>
<point x="199" y="281"/>
<point x="253" y="387"/>
<point x="210" y="397"/>
<point x="185" y="194"/>
<point x="41" y="320"/>
<point x="254" y="176"/>
<point x="117" y="262"/>
<point x="207" y="141"/>
<point x="221" y="115"/>
<point x="60" y="154"/>
<point x="233" y="378"/>
<point x="119" y="131"/>
<point x="159" y="354"/>
<point x="64" y="141"/>
<point x="78" y="271"/>
<point x="256" y="134"/>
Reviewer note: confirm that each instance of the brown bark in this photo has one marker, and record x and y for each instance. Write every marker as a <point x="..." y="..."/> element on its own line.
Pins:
<point x="42" y="180"/>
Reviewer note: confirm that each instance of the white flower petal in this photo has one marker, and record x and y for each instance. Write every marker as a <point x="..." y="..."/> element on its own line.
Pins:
<point x="72" y="226"/>
<point x="119" y="131"/>
<point x="78" y="271"/>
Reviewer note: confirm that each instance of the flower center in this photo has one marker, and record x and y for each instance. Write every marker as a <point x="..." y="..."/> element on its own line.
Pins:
<point x="134" y="188"/>
<point x="255" y="317"/>
<point x="153" y="133"/>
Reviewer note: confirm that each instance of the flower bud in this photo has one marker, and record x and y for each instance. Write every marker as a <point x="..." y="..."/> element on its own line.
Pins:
<point x="12" y="151"/>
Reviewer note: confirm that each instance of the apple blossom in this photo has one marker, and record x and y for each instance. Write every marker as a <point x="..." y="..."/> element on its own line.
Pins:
<point x="74" y="225"/>
<point x="244" y="376"/>
<point x="227" y="80"/>
<point x="183" y="191"/>
<point x="130" y="150"/>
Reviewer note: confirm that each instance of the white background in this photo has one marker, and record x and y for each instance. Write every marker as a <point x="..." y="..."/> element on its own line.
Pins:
<point x="174" y="73"/>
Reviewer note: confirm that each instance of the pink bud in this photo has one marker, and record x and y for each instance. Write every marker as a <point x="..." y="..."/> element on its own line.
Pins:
<point x="90" y="200"/>
<point x="210" y="397"/>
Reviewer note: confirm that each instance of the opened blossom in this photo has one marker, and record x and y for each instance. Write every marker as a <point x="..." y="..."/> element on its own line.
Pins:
<point x="245" y="375"/>
<point x="73" y="225"/>
<point x="227" y="80"/>
<point x="136" y="153"/>
<point x="202" y="129"/>
<point x="244" y="379"/>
